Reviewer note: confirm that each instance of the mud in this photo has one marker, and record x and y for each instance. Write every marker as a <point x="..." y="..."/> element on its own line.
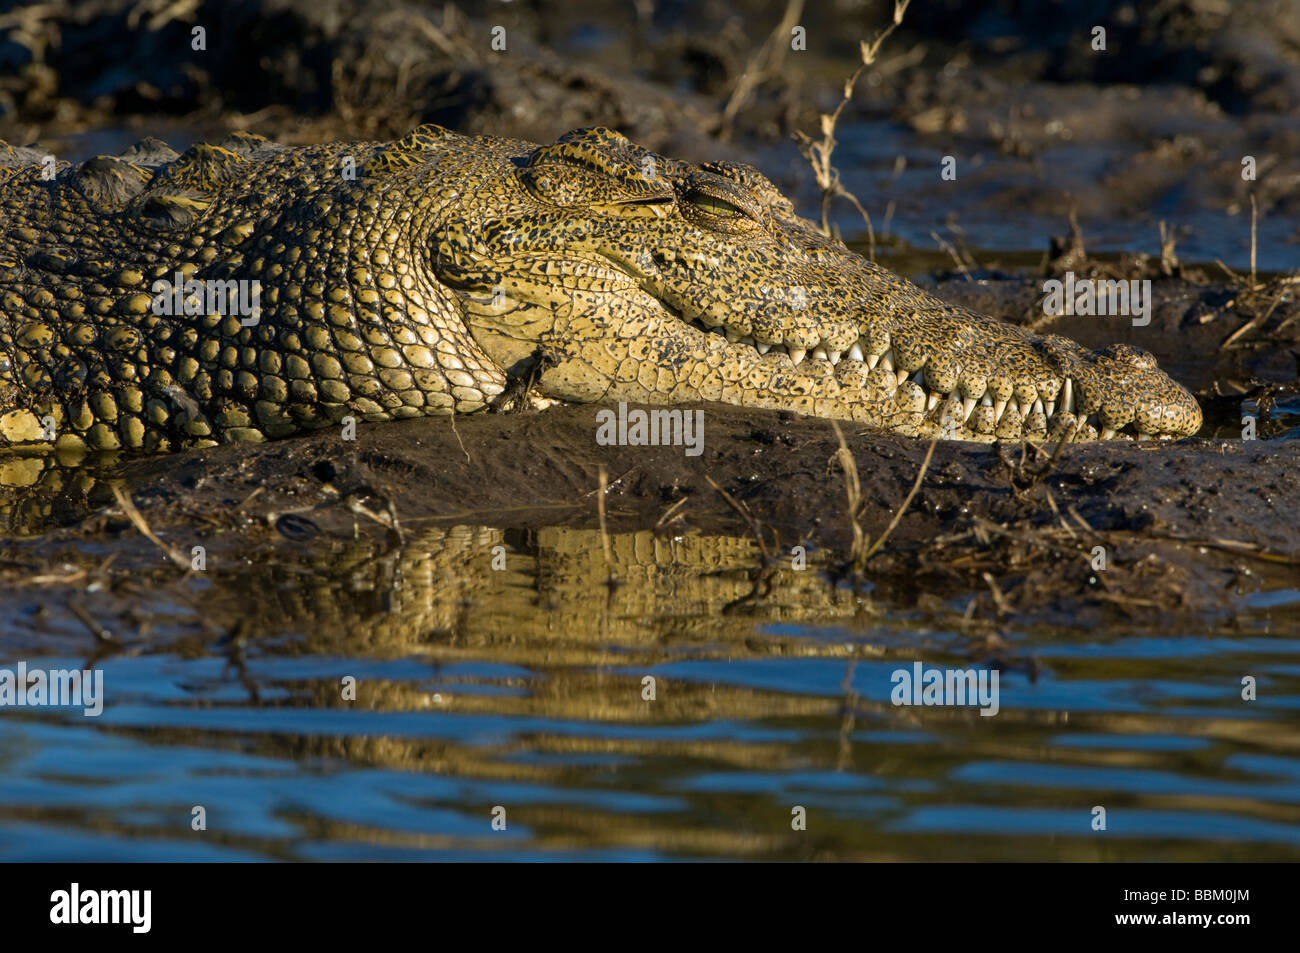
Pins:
<point x="992" y="531"/>
<point x="309" y="72"/>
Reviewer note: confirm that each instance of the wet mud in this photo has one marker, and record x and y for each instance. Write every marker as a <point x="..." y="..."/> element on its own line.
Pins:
<point x="1183" y="529"/>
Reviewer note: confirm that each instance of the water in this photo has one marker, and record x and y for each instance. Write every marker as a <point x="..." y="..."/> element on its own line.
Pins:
<point x="522" y="688"/>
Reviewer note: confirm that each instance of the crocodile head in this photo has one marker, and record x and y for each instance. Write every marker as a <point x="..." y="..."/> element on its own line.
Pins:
<point x="653" y="280"/>
<point x="448" y="265"/>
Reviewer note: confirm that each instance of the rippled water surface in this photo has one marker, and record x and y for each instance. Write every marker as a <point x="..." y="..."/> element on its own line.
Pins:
<point x="523" y="688"/>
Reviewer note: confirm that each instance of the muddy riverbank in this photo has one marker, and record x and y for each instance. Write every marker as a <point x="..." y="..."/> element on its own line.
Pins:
<point x="992" y="532"/>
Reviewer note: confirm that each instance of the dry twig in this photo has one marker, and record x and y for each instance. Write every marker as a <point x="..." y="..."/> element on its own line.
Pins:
<point x="818" y="152"/>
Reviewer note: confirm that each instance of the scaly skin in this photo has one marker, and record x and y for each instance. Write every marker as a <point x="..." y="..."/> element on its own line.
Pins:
<point x="446" y="266"/>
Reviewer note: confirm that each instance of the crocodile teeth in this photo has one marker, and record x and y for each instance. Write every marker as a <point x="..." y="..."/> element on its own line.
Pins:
<point x="796" y="353"/>
<point x="833" y="357"/>
<point x="819" y="354"/>
<point x="902" y="376"/>
<point x="986" y="400"/>
<point x="1051" y="408"/>
<point x="762" y="348"/>
<point x="1067" y="396"/>
<point x="1037" y="408"/>
<point x="855" y="354"/>
<point x="1143" y="435"/>
<point x="968" y="405"/>
<point x="1108" y="433"/>
<point x="930" y="404"/>
<point x="887" y="360"/>
<point x="998" y="409"/>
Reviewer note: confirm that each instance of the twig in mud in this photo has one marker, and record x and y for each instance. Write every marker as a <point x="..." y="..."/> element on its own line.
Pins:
<point x="853" y="495"/>
<point x="1041" y="536"/>
<point x="1232" y="275"/>
<point x="1083" y="522"/>
<point x="1255" y="321"/>
<point x="55" y="579"/>
<point x="1119" y="600"/>
<point x="898" y="514"/>
<point x="252" y="496"/>
<point x="1254" y="215"/>
<point x="761" y="579"/>
<point x="124" y="501"/>
<point x="609" y="484"/>
<point x="959" y="242"/>
<point x="999" y="600"/>
<point x="859" y="553"/>
<point x="1241" y="547"/>
<point x="1169" y="263"/>
<point x="386" y="518"/>
<point x="954" y="255"/>
<point x="1051" y="502"/>
<point x="430" y="32"/>
<point x="1020" y="476"/>
<point x="603" y="477"/>
<point x="746" y="514"/>
<point x="670" y="516"/>
<point x="98" y="631"/>
<point x="455" y="433"/>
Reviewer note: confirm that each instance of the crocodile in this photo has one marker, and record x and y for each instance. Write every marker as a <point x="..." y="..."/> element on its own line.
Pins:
<point x="246" y="290"/>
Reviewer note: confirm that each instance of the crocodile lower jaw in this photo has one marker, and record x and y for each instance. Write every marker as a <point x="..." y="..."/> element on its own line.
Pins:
<point x="980" y="420"/>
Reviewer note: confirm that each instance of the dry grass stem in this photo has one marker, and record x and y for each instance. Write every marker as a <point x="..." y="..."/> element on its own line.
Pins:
<point x="138" y="521"/>
<point x="818" y="152"/>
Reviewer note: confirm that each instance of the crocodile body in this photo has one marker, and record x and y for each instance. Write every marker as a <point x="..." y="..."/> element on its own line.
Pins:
<point x="426" y="276"/>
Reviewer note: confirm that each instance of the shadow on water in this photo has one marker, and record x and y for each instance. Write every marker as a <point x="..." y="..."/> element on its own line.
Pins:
<point x="501" y="668"/>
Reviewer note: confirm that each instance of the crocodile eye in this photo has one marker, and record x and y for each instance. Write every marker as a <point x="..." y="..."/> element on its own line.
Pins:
<point x="714" y="205"/>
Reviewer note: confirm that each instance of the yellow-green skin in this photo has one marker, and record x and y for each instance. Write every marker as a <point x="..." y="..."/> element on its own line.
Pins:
<point x="422" y="276"/>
